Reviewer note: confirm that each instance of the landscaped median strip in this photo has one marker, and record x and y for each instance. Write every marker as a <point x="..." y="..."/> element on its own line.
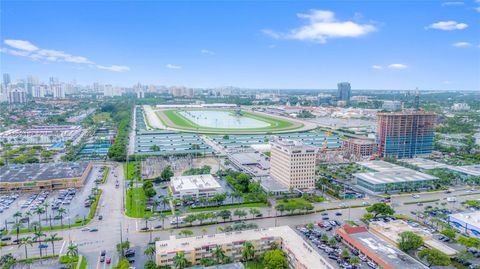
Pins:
<point x="105" y="174"/>
<point x="421" y="201"/>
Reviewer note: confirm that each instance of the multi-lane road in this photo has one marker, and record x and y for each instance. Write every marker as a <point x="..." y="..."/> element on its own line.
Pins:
<point x="90" y="244"/>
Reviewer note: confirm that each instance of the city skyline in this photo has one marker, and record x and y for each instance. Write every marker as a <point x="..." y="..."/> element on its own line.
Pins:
<point x="248" y="45"/>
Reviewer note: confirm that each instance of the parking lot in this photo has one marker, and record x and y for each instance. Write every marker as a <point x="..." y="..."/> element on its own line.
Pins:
<point x="322" y="236"/>
<point x="49" y="207"/>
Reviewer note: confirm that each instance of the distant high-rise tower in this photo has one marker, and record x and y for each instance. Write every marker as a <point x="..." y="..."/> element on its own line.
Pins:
<point x="58" y="91"/>
<point x="405" y="134"/>
<point x="6" y="80"/>
<point x="344" y="91"/>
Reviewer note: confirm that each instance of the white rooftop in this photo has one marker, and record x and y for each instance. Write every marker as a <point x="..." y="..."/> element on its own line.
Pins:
<point x="471" y="170"/>
<point x="471" y="218"/>
<point x="195" y="182"/>
<point x="394" y="176"/>
<point x="425" y="163"/>
<point x="381" y="166"/>
<point x="291" y="243"/>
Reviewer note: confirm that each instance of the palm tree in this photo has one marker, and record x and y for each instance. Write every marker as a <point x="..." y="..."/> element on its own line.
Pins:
<point x="354" y="260"/>
<point x="177" y="215"/>
<point x="218" y="253"/>
<point x="155" y="204"/>
<point x="72" y="251"/>
<point x="146" y="219"/>
<point x="17" y="215"/>
<point x="17" y="226"/>
<point x="150" y="252"/>
<point x="180" y="261"/>
<point x="28" y="214"/>
<point x="162" y="217"/>
<point x="248" y="251"/>
<point x="25" y="241"/>
<point x="164" y="201"/>
<point x="39" y="211"/>
<point x="60" y="213"/>
<point x="254" y="212"/>
<point x="38" y="237"/>
<point x="45" y="208"/>
<point x="52" y="238"/>
<point x="35" y="225"/>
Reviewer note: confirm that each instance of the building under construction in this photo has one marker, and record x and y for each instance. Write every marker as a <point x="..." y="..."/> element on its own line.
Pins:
<point x="405" y="134"/>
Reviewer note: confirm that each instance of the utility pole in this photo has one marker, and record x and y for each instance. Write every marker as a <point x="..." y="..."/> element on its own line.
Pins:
<point x="121" y="241"/>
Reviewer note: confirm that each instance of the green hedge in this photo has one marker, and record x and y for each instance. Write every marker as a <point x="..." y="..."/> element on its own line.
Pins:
<point x="105" y="174"/>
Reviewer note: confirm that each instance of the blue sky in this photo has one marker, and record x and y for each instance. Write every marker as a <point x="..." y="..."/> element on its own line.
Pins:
<point x="265" y="44"/>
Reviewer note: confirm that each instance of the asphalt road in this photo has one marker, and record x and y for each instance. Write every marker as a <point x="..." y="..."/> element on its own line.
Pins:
<point x="90" y="244"/>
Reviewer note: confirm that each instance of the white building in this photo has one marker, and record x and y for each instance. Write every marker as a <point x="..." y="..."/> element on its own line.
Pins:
<point x="392" y="105"/>
<point x="196" y="186"/>
<point x="38" y="91"/>
<point x="110" y="91"/>
<point x="17" y="96"/>
<point x="468" y="222"/>
<point x="460" y="107"/>
<point x="293" y="163"/>
<point x="58" y="91"/>
<point x="41" y="134"/>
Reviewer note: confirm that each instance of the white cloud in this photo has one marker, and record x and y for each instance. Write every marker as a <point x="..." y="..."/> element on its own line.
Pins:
<point x="453" y="3"/>
<point x="207" y="52"/>
<point x="114" y="68"/>
<point x="398" y="66"/>
<point x="23" y="48"/>
<point x="322" y="25"/>
<point x="378" y="67"/>
<point x="461" y="44"/>
<point x="20" y="45"/>
<point x="172" y="66"/>
<point x="447" y="25"/>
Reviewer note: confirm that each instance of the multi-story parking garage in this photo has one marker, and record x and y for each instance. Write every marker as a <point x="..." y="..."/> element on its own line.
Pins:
<point x="41" y="176"/>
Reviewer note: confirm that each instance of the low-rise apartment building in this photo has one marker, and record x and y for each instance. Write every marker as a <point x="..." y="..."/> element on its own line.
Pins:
<point x="299" y="253"/>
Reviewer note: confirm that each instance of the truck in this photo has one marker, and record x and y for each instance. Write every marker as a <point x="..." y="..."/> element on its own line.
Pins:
<point x="451" y="199"/>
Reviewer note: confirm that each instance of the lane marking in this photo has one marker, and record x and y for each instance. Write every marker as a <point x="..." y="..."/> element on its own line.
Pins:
<point x="63" y="245"/>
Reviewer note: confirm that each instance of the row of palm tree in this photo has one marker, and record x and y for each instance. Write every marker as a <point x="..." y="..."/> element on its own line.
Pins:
<point x="43" y="209"/>
<point x="38" y="237"/>
<point x="217" y="253"/>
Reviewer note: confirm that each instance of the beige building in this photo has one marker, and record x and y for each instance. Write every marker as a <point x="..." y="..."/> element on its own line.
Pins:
<point x="390" y="232"/>
<point x="299" y="253"/>
<point x="293" y="163"/>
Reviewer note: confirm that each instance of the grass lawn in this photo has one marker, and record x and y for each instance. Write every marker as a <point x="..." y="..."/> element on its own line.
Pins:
<point x="255" y="265"/>
<point x="135" y="210"/>
<point x="295" y="202"/>
<point x="215" y="208"/>
<point x="83" y="263"/>
<point x="132" y="166"/>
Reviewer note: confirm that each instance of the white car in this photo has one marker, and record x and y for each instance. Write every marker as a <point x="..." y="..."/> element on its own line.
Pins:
<point x="416" y="196"/>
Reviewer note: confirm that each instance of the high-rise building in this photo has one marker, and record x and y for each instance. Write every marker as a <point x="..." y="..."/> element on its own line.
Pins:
<point x="17" y="96"/>
<point x="344" y="91"/>
<point x="6" y="80"/>
<point x="405" y="134"/>
<point x="38" y="91"/>
<point x="58" y="91"/>
<point x="292" y="163"/>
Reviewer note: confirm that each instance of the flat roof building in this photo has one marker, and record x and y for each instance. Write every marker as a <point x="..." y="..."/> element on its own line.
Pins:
<point x="377" y="249"/>
<point x="43" y="176"/>
<point x="195" y="185"/>
<point x="425" y="163"/>
<point x="405" y="134"/>
<point x="46" y="134"/>
<point x="299" y="253"/>
<point x="392" y="178"/>
<point x="293" y="163"/>
<point x="360" y="147"/>
<point x="468" y="170"/>
<point x="390" y="232"/>
<point x="253" y="163"/>
<point x="469" y="222"/>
